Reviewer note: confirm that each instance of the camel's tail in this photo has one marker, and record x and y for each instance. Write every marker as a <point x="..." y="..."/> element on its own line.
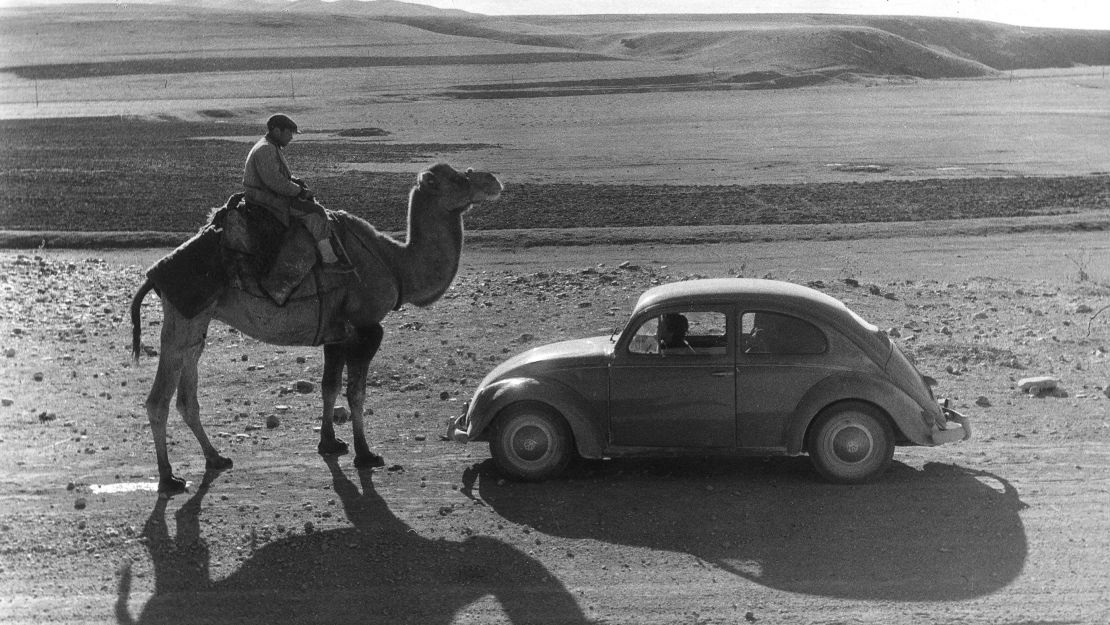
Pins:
<point x="136" y="314"/>
<point x="123" y="616"/>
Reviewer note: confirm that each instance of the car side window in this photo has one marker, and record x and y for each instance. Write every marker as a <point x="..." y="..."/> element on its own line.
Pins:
<point x="686" y="333"/>
<point x="775" y="333"/>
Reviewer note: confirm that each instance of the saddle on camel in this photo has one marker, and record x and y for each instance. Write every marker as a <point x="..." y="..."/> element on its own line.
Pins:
<point x="263" y="241"/>
<point x="243" y="246"/>
<point x="234" y="272"/>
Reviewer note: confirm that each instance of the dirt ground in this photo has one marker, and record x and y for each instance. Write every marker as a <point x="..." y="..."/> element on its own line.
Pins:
<point x="1012" y="526"/>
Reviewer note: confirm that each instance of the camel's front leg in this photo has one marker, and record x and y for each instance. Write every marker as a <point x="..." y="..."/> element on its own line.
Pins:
<point x="334" y="357"/>
<point x="359" y="355"/>
<point x="188" y="404"/>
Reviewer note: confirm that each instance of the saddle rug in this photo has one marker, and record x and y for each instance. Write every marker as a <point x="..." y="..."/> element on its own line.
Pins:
<point x="245" y="248"/>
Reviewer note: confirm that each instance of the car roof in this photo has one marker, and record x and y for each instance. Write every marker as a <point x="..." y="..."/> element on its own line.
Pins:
<point x="752" y="290"/>
<point x="728" y="288"/>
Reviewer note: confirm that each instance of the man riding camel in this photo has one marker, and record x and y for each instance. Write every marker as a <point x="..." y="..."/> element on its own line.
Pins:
<point x="269" y="182"/>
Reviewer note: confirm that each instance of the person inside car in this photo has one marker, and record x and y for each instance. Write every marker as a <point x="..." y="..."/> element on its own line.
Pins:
<point x="672" y="332"/>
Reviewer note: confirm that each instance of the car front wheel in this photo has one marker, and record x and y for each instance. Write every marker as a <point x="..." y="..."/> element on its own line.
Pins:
<point x="532" y="442"/>
<point x="851" y="443"/>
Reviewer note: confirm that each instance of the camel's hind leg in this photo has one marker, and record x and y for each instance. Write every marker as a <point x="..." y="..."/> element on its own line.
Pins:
<point x="157" y="411"/>
<point x="181" y="342"/>
<point x="334" y="359"/>
<point x="359" y="355"/>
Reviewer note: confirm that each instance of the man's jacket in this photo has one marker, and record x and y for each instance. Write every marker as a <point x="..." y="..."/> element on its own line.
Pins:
<point x="268" y="180"/>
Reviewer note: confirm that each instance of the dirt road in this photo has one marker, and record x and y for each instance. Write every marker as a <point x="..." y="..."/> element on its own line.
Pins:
<point x="1010" y="527"/>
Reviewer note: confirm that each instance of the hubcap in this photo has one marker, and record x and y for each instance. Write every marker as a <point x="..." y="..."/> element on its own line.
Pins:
<point x="852" y="444"/>
<point x="530" y="443"/>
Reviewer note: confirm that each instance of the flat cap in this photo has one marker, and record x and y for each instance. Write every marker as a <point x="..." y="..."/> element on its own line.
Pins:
<point x="281" y="121"/>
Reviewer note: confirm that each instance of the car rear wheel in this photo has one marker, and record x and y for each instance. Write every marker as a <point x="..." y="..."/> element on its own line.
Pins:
<point x="531" y="442"/>
<point x="851" y="443"/>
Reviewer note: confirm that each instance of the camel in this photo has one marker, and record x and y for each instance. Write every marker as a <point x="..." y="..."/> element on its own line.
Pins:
<point x="387" y="275"/>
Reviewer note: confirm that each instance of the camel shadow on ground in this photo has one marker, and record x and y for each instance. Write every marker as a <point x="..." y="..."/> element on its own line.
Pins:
<point x="936" y="534"/>
<point x="378" y="571"/>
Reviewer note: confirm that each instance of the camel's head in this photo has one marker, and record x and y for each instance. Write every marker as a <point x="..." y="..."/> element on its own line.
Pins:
<point x="455" y="192"/>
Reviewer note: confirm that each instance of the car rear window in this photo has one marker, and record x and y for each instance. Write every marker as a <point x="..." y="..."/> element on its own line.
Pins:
<point x="776" y="333"/>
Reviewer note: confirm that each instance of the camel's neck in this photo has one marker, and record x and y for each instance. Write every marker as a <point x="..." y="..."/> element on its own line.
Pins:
<point x="430" y="257"/>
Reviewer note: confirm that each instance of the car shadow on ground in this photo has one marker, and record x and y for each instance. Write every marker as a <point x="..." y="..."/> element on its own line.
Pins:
<point x="935" y="534"/>
<point x="378" y="571"/>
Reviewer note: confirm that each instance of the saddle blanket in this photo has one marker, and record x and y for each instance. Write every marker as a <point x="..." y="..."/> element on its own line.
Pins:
<point x="192" y="276"/>
<point x="245" y="248"/>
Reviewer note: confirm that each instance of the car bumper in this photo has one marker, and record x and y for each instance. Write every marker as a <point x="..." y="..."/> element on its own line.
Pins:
<point x="957" y="428"/>
<point x="457" y="429"/>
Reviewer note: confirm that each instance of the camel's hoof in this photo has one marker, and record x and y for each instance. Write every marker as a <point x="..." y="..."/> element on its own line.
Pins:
<point x="219" y="463"/>
<point x="170" y="486"/>
<point x="334" y="447"/>
<point x="369" y="460"/>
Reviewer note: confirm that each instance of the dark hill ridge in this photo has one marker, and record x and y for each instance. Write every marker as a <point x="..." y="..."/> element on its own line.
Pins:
<point x="375" y="8"/>
<point x="372" y="8"/>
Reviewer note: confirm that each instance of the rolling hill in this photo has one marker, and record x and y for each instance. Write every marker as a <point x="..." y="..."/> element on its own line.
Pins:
<point x="707" y="51"/>
<point x="922" y="47"/>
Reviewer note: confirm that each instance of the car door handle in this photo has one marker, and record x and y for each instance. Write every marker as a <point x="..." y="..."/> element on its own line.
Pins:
<point x="721" y="374"/>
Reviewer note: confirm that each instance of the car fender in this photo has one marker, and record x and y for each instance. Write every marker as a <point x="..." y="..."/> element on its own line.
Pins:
<point x="906" y="415"/>
<point x="588" y="429"/>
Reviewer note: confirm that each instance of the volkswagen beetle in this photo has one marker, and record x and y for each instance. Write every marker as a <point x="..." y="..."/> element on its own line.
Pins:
<point x="716" y="366"/>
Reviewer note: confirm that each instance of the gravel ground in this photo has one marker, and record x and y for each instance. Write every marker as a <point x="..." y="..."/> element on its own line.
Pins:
<point x="1010" y="527"/>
